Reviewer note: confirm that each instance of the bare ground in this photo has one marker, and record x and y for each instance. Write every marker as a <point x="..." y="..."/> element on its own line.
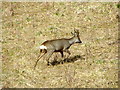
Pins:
<point x="92" y="64"/>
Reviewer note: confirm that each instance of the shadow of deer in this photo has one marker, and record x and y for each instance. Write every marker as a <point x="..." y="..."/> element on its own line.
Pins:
<point x="67" y="60"/>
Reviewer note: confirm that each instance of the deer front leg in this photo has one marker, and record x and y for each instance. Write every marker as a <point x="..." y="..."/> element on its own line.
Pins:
<point x="67" y="51"/>
<point x="61" y="52"/>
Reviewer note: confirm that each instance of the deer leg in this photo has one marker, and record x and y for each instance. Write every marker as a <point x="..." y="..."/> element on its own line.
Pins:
<point x="49" y="54"/>
<point x="40" y="53"/>
<point x="61" y="52"/>
<point x="67" y="51"/>
<point x="39" y="59"/>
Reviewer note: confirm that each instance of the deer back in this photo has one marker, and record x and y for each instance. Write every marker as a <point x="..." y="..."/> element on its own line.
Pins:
<point x="57" y="45"/>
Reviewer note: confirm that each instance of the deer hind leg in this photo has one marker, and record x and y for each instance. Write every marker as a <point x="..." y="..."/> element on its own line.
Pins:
<point x="48" y="55"/>
<point x="40" y="56"/>
<point x="40" y="53"/>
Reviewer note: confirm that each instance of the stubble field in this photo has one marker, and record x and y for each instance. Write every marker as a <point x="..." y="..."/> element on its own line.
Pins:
<point x="92" y="64"/>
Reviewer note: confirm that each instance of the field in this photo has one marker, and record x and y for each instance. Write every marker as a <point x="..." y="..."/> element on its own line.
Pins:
<point x="92" y="64"/>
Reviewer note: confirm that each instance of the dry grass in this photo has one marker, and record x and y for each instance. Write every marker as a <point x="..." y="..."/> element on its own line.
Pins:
<point x="92" y="64"/>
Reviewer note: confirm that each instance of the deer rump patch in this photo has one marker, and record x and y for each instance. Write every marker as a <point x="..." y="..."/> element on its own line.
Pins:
<point x="43" y="47"/>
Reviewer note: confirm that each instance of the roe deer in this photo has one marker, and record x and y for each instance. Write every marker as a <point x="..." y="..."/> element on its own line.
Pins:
<point x="58" y="45"/>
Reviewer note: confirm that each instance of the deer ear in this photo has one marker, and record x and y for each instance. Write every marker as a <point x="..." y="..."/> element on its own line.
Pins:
<point x="78" y="31"/>
<point x="72" y="33"/>
<point x="74" y="30"/>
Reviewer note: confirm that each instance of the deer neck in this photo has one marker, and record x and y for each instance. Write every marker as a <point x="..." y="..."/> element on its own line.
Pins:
<point x="71" y="40"/>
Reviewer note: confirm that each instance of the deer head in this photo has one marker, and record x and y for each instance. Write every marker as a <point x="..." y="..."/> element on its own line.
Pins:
<point x="76" y="36"/>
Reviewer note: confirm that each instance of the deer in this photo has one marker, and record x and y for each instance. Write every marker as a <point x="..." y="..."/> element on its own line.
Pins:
<point x="57" y="45"/>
